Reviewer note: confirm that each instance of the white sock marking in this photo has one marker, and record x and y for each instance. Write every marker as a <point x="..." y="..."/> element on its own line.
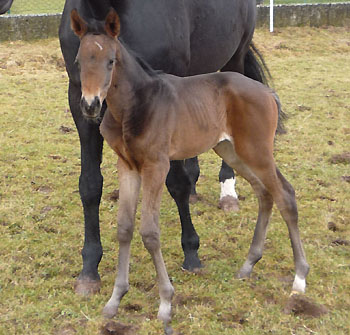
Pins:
<point x="299" y="284"/>
<point x="228" y="188"/>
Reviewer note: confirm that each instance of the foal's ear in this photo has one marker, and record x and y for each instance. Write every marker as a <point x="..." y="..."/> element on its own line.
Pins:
<point x="112" y="24"/>
<point x="77" y="24"/>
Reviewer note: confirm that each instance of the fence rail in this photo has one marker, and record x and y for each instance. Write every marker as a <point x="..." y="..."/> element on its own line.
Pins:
<point x="29" y="27"/>
<point x="56" y="6"/>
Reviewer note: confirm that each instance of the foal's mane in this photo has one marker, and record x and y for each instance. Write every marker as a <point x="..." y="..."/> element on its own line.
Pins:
<point x="96" y="27"/>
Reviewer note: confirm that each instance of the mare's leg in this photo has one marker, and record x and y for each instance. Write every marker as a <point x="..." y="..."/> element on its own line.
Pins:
<point x="193" y="171"/>
<point x="264" y="173"/>
<point x="129" y="187"/>
<point x="228" y="196"/>
<point x="90" y="188"/>
<point x="153" y="177"/>
<point x="179" y="187"/>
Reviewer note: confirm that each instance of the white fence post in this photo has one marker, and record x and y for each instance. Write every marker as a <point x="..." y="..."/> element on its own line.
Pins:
<point x="271" y="16"/>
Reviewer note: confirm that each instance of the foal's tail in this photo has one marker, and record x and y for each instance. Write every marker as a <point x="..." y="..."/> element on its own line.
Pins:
<point x="281" y="115"/>
<point x="256" y="68"/>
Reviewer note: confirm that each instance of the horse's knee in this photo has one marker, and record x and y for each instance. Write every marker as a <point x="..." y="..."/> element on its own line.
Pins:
<point x="90" y="188"/>
<point x="150" y="239"/>
<point x="125" y="232"/>
<point x="179" y="185"/>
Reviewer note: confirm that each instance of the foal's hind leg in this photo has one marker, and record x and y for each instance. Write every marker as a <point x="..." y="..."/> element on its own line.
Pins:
<point x="129" y="187"/>
<point x="226" y="151"/>
<point x="285" y="200"/>
<point x="263" y="170"/>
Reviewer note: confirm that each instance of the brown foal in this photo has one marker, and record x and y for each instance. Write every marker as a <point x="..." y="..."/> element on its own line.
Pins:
<point x="153" y="118"/>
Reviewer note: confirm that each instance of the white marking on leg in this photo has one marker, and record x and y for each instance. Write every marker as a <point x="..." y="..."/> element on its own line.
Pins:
<point x="228" y="188"/>
<point x="225" y="137"/>
<point x="299" y="284"/>
<point x="99" y="45"/>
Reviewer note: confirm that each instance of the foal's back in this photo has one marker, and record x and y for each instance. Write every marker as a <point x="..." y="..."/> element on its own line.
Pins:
<point x="212" y="107"/>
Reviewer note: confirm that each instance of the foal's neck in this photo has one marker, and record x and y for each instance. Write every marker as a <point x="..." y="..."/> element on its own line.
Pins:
<point x="128" y="80"/>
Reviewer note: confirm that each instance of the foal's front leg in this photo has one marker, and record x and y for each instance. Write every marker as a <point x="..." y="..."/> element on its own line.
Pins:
<point x="129" y="188"/>
<point x="153" y="178"/>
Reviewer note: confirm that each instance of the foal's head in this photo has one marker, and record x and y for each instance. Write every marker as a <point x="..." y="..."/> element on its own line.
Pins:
<point x="98" y="52"/>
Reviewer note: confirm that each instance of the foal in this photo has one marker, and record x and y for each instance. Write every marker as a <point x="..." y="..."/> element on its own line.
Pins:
<point x="153" y="118"/>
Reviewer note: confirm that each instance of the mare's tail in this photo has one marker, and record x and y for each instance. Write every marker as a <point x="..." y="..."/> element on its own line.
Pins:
<point x="256" y="68"/>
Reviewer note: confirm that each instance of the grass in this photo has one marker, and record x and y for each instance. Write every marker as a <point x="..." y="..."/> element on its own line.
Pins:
<point x="56" y="6"/>
<point x="41" y="223"/>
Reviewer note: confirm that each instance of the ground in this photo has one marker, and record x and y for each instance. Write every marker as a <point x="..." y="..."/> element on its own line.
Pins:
<point x="41" y="224"/>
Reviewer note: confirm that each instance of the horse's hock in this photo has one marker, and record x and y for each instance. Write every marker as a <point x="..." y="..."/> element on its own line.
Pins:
<point x="30" y="27"/>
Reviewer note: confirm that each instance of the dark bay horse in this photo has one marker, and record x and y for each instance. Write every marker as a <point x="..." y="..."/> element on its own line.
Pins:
<point x="154" y="118"/>
<point x="177" y="37"/>
<point x="5" y="5"/>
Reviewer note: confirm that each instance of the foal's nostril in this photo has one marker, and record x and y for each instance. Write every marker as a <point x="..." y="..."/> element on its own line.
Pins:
<point x="92" y="109"/>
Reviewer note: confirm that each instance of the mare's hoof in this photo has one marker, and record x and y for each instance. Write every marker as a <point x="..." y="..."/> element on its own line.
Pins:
<point x="192" y="264"/>
<point x="86" y="287"/>
<point x="229" y="204"/>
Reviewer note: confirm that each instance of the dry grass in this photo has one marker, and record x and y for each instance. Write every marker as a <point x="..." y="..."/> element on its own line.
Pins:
<point x="41" y="220"/>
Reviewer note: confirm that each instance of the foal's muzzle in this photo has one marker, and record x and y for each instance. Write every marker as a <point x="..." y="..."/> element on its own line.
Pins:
<point x="91" y="110"/>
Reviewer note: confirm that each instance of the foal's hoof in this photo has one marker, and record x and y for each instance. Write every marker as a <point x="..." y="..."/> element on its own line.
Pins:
<point x="229" y="204"/>
<point x="86" y="287"/>
<point x="243" y="273"/>
<point x="110" y="311"/>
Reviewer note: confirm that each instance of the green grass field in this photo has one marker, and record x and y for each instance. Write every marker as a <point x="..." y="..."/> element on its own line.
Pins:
<point x="41" y="221"/>
<point x="56" y="6"/>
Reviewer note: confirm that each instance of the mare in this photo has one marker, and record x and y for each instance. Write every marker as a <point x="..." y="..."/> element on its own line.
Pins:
<point x="154" y="118"/>
<point x="178" y="37"/>
<point x="5" y="5"/>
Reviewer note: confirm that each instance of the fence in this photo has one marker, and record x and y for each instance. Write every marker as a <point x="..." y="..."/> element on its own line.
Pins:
<point x="37" y="6"/>
<point x="56" y="6"/>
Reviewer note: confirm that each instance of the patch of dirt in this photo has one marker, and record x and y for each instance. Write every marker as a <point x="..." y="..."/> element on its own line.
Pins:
<point x="184" y="300"/>
<point x="303" y="108"/>
<point x="67" y="330"/>
<point x="194" y="198"/>
<point x="324" y="197"/>
<point x="44" y="189"/>
<point x="299" y="304"/>
<point x="340" y="241"/>
<point x="133" y="307"/>
<point x="65" y="130"/>
<point x="332" y="226"/>
<point x="343" y="158"/>
<point x="234" y="319"/>
<point x="117" y="328"/>
<point x="323" y="183"/>
<point x="346" y="178"/>
<point x="113" y="196"/>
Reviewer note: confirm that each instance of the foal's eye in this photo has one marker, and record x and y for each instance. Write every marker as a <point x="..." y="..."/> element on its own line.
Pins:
<point x="110" y="63"/>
